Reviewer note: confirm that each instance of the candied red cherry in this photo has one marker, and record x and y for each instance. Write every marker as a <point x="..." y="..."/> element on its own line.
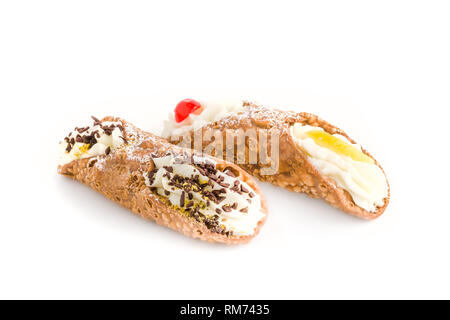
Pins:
<point x="185" y="107"/>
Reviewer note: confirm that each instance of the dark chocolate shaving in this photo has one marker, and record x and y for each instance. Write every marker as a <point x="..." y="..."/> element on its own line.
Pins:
<point x="230" y="173"/>
<point x="168" y="168"/>
<point x="244" y="210"/>
<point x="226" y="208"/>
<point x="182" y="199"/>
<point x="244" y="189"/>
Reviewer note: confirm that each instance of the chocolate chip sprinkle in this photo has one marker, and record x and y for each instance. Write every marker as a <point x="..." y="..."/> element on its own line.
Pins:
<point x="108" y="150"/>
<point x="150" y="174"/>
<point x="81" y="130"/>
<point x="91" y="163"/>
<point x="230" y="173"/>
<point x="96" y="120"/>
<point x="166" y="175"/>
<point x="182" y="199"/>
<point x="226" y="208"/>
<point x="168" y="168"/>
<point x="244" y="189"/>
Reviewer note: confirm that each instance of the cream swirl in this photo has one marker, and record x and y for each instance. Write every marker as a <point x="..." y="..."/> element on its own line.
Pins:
<point x="100" y="138"/>
<point x="212" y="111"/>
<point x="224" y="203"/>
<point x="336" y="157"/>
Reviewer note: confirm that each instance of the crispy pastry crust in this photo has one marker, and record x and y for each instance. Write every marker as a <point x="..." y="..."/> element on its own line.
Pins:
<point x="295" y="172"/>
<point x="119" y="176"/>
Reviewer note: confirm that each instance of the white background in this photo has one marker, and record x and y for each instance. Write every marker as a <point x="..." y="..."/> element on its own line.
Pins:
<point x="378" y="69"/>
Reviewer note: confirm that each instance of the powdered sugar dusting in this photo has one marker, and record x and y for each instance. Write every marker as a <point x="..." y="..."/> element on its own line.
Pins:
<point x="137" y="147"/>
<point x="100" y="163"/>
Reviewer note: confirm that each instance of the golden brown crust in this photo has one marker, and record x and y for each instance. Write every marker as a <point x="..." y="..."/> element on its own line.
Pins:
<point x="295" y="172"/>
<point x="119" y="176"/>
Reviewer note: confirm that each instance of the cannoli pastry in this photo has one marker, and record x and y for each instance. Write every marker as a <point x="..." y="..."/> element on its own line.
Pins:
<point x="197" y="195"/>
<point x="296" y="151"/>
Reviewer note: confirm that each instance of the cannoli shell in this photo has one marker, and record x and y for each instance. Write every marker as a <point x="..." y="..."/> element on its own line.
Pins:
<point x="295" y="172"/>
<point x="119" y="176"/>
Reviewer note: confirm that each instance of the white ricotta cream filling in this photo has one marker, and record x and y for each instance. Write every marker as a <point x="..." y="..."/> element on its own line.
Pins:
<point x="99" y="146"/>
<point x="365" y="181"/>
<point x="212" y="111"/>
<point x="238" y="212"/>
